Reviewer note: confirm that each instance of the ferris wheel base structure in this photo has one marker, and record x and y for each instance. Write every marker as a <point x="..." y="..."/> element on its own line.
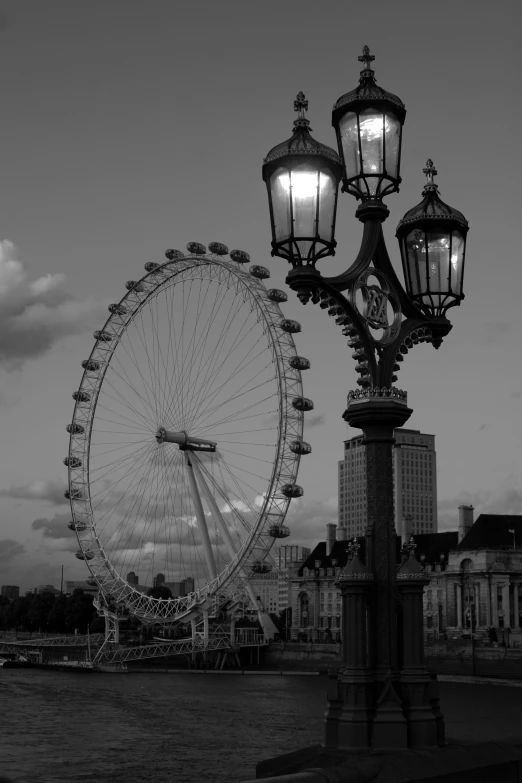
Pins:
<point x="186" y="436"/>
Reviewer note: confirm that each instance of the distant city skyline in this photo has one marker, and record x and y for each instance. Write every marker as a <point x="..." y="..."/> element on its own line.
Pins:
<point x="120" y="139"/>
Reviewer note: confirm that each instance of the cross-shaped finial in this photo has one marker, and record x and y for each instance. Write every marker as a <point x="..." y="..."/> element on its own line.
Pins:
<point x="366" y="58"/>
<point x="353" y="547"/>
<point x="411" y="546"/>
<point x="300" y="105"/>
<point x="430" y="171"/>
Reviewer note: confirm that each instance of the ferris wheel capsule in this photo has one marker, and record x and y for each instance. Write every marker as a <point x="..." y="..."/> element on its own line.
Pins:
<point x="292" y="327"/>
<point x="218" y="248"/>
<point x="90" y="365"/>
<point x="75" y="429"/>
<point x="261" y="567"/>
<point x="279" y="531"/>
<point x="117" y="309"/>
<point x="196" y="248"/>
<point x="151" y="265"/>
<point x="299" y="363"/>
<point x="102" y="337"/>
<point x="81" y="396"/>
<point x="292" y="490"/>
<point x="73" y="494"/>
<point x="240" y="256"/>
<point x="84" y="555"/>
<point x="133" y="285"/>
<point x="300" y="447"/>
<point x="76" y="526"/>
<point x="276" y="295"/>
<point x="302" y="404"/>
<point x="72" y="462"/>
<point x="174" y="255"/>
<point x="261" y="272"/>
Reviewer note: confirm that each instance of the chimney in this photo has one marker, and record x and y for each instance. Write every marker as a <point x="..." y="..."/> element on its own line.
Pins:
<point x="407" y="525"/>
<point x="330" y="537"/>
<point x="465" y="521"/>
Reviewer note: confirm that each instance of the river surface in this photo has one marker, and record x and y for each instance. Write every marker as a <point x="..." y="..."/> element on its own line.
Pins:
<point x="60" y="727"/>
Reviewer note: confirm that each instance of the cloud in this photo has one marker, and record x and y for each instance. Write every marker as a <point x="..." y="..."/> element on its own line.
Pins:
<point x="48" y="490"/>
<point x="307" y="520"/>
<point x="9" y="549"/>
<point x="314" y="421"/>
<point x="35" y="315"/>
<point x="495" y="330"/>
<point x="482" y="427"/>
<point x="506" y="500"/>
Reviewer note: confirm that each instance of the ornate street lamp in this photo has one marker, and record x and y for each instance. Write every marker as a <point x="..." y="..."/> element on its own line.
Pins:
<point x="368" y="123"/>
<point x="432" y="238"/>
<point x="384" y="696"/>
<point x="302" y="177"/>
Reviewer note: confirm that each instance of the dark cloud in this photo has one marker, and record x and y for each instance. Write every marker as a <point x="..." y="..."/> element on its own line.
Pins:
<point x="314" y="421"/>
<point x="9" y="549"/>
<point x="35" y="315"/>
<point x="48" y="490"/>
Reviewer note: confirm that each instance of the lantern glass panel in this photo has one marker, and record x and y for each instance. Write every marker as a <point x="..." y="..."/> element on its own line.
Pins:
<point x="392" y="144"/>
<point x="415" y="254"/>
<point x="327" y="197"/>
<point x="350" y="144"/>
<point x="438" y="261"/>
<point x="371" y="125"/>
<point x="457" y="262"/>
<point x="280" y="196"/>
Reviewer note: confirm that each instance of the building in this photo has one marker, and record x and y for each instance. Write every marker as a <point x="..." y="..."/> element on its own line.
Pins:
<point x="288" y="556"/>
<point x="180" y="589"/>
<point x="415" y="480"/>
<point x="133" y="579"/>
<point x="71" y="586"/>
<point x="475" y="581"/>
<point x="159" y="579"/>
<point x="266" y="589"/>
<point x="476" y="578"/>
<point x="10" y="591"/>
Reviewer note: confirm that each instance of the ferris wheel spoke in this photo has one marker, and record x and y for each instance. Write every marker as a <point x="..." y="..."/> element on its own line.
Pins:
<point x="152" y="370"/>
<point x="216" y="357"/>
<point x="148" y="389"/>
<point x="128" y="421"/>
<point x="122" y="399"/>
<point x="102" y="494"/>
<point x="115" y="463"/>
<point x="210" y="411"/>
<point x="211" y="392"/>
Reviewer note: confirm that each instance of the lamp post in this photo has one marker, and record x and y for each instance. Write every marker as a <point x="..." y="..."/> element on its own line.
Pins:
<point x="383" y="683"/>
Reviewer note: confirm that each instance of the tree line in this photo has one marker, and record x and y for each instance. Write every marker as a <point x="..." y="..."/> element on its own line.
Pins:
<point x="47" y="612"/>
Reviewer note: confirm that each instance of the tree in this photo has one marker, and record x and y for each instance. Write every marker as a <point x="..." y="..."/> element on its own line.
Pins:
<point x="79" y="611"/>
<point x="56" y="617"/>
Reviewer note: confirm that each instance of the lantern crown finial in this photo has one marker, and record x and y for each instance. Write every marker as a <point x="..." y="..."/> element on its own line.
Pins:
<point x="366" y="58"/>
<point x="300" y="106"/>
<point x="430" y="172"/>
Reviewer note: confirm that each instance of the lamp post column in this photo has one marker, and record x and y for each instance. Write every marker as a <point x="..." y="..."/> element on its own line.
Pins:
<point x="378" y="416"/>
<point x="349" y="717"/>
<point x="415" y="683"/>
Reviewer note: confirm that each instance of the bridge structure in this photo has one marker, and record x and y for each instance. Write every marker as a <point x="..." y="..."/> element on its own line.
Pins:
<point x="106" y="648"/>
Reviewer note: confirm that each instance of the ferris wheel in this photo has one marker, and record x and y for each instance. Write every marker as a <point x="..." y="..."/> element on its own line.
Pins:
<point x="187" y="434"/>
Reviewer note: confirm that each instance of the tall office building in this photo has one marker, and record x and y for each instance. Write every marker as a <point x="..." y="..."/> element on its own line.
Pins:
<point x="415" y="483"/>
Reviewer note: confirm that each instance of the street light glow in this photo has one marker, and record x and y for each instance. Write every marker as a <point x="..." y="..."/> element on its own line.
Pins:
<point x="303" y="183"/>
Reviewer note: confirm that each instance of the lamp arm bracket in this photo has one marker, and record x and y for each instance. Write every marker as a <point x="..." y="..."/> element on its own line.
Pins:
<point x="353" y="327"/>
<point x="412" y="331"/>
<point x="370" y="240"/>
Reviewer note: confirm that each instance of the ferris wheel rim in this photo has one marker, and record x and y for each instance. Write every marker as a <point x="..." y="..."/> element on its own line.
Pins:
<point x="286" y="463"/>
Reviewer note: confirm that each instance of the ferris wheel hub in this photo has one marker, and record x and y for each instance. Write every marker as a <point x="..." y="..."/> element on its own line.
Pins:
<point x="185" y="441"/>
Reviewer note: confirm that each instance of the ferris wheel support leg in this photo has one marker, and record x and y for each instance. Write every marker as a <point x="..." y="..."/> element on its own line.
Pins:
<point x="200" y="516"/>
<point x="228" y="541"/>
<point x="194" y="635"/>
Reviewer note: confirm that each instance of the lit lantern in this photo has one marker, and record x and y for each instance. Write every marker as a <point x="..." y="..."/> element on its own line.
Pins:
<point x="432" y="239"/>
<point x="368" y="123"/>
<point x="302" y="178"/>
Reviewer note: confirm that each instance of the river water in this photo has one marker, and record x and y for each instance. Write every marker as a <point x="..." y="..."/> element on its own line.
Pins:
<point x="60" y="727"/>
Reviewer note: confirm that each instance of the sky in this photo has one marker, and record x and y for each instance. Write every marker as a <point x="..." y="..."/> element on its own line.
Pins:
<point x="130" y="127"/>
